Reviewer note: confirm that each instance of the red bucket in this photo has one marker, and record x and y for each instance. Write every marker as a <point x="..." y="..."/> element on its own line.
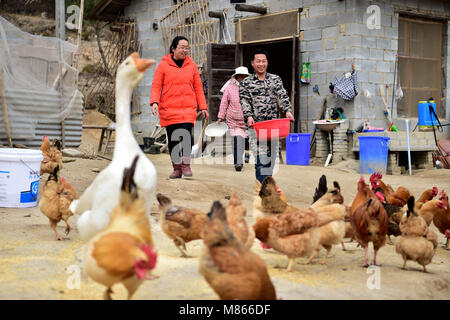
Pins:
<point x="272" y="129"/>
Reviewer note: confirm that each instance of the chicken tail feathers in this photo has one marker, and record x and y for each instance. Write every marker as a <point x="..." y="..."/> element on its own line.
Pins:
<point x="54" y="175"/>
<point x="321" y="188"/>
<point x="164" y="201"/>
<point x="128" y="184"/>
<point x="217" y="212"/>
<point x="410" y="206"/>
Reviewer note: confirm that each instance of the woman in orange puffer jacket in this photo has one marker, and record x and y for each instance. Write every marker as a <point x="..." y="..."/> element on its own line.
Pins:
<point x="176" y="93"/>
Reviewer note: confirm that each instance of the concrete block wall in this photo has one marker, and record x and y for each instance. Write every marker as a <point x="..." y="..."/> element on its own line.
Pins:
<point x="148" y="11"/>
<point x="419" y="141"/>
<point x="336" y="35"/>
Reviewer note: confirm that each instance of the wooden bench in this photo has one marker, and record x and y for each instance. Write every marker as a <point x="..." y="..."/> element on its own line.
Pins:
<point x="105" y="129"/>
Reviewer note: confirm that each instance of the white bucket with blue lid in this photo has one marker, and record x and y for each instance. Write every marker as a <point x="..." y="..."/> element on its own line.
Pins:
<point x="19" y="177"/>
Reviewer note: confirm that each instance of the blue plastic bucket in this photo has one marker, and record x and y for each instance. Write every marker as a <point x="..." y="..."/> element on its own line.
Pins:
<point x="425" y="119"/>
<point x="373" y="153"/>
<point x="297" y="149"/>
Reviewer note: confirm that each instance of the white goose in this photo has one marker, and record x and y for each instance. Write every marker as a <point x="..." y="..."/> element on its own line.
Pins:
<point x="100" y="198"/>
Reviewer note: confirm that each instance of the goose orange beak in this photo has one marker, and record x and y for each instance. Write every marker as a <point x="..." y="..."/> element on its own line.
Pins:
<point x="142" y="64"/>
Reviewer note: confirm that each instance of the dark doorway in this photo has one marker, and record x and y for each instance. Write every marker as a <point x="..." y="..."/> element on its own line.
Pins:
<point x="280" y="63"/>
<point x="280" y="59"/>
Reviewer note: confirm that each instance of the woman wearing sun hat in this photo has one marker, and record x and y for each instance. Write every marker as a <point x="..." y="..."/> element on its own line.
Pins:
<point x="231" y="111"/>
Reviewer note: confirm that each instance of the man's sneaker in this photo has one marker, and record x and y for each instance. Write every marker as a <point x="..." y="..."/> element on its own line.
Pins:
<point x="238" y="167"/>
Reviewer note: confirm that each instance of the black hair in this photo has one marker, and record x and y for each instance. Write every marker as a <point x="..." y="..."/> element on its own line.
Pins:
<point x="259" y="51"/>
<point x="175" y="42"/>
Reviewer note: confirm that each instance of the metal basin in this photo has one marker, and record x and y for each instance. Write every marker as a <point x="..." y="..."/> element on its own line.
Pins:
<point x="327" y="126"/>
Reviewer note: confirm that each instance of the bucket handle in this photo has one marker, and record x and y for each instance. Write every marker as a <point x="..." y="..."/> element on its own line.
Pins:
<point x="34" y="172"/>
<point x="297" y="139"/>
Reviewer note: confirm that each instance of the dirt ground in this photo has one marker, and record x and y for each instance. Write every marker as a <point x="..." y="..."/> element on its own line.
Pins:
<point x="33" y="265"/>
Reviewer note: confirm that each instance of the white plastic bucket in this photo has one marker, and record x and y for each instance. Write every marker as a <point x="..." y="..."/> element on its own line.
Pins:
<point x="19" y="177"/>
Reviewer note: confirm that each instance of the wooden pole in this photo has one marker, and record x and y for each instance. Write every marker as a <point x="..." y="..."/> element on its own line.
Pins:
<point x="215" y="14"/>
<point x="61" y="34"/>
<point x="5" y="110"/>
<point x="250" y="8"/>
<point x="80" y="28"/>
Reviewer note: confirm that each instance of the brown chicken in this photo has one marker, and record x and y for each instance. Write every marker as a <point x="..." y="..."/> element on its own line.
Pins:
<point x="180" y="224"/>
<point x="369" y="220"/>
<point x="348" y="225"/>
<point x="397" y="198"/>
<point x="418" y="242"/>
<point x="333" y="232"/>
<point x="433" y="207"/>
<point x="331" y="196"/>
<point x="52" y="155"/>
<point x="395" y="214"/>
<point x="289" y="230"/>
<point x="232" y="271"/>
<point x="124" y="251"/>
<point x="442" y="219"/>
<point x="236" y="213"/>
<point x="257" y="205"/>
<point x="57" y="195"/>
<point x="269" y="200"/>
<point x="426" y="196"/>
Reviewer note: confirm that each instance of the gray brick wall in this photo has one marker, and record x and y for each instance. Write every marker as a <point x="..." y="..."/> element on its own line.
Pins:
<point x="372" y="51"/>
<point x="335" y="36"/>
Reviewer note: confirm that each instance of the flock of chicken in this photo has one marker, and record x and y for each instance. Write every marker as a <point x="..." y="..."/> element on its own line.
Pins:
<point x="115" y="225"/>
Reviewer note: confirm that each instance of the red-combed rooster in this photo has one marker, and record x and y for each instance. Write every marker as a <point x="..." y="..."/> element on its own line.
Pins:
<point x="426" y="196"/>
<point x="369" y="220"/>
<point x="124" y="251"/>
<point x="396" y="198"/>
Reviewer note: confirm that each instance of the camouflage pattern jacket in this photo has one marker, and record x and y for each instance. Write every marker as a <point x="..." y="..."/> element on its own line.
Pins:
<point x="261" y="99"/>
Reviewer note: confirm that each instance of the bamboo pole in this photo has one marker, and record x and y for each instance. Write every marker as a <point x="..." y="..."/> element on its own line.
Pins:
<point x="5" y="110"/>
<point x="293" y="78"/>
<point x="80" y="27"/>
<point x="61" y="34"/>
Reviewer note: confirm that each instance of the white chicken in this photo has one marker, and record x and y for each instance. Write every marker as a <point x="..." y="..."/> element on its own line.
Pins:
<point x="100" y="198"/>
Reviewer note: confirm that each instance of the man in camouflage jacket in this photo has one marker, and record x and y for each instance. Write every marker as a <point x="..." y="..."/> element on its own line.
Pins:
<point x="262" y="96"/>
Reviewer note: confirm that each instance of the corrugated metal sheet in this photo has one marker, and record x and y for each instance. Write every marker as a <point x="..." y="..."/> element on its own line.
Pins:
<point x="45" y="107"/>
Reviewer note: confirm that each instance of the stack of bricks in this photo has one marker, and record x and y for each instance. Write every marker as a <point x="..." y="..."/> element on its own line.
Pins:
<point x="340" y="143"/>
<point x="322" y="145"/>
<point x="392" y="164"/>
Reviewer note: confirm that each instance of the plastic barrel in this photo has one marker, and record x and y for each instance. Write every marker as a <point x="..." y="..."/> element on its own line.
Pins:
<point x="19" y="177"/>
<point x="297" y="148"/>
<point x="373" y="153"/>
<point x="425" y="119"/>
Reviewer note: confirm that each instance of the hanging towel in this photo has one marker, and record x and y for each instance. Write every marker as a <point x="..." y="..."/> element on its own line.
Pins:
<point x="306" y="72"/>
<point x="346" y="87"/>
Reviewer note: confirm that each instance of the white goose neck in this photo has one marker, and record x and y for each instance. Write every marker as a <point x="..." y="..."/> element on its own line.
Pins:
<point x="124" y="91"/>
